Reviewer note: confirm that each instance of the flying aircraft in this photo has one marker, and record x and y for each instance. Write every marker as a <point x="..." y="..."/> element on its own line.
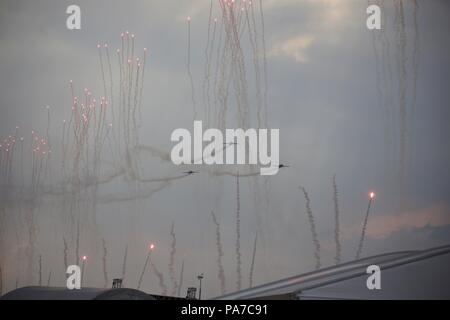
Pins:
<point x="190" y="172"/>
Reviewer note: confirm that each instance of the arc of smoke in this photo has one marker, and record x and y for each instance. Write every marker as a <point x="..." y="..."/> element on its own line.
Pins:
<point x="219" y="246"/>
<point x="160" y="278"/>
<point x="252" y="266"/>
<point x="105" y="253"/>
<point x="337" y="241"/>
<point x="312" y="226"/>
<point x="172" y="259"/>
<point x="143" y="194"/>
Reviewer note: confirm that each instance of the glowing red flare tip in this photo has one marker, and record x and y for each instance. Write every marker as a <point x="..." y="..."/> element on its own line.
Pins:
<point x="152" y="246"/>
<point x="372" y="195"/>
<point x="85" y="258"/>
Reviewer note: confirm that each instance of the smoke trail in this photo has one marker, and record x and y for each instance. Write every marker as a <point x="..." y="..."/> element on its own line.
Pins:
<point x="105" y="253"/>
<point x="312" y="226"/>
<point x="40" y="270"/>
<point x="102" y="69"/>
<point x="49" y="278"/>
<point x="143" y="269"/>
<point x="415" y="64"/>
<point x="266" y="82"/>
<point x="124" y="264"/>
<point x="402" y="61"/>
<point x="238" y="236"/>
<point x="337" y="241"/>
<point x="160" y="278"/>
<point x="66" y="250"/>
<point x="220" y="272"/>
<point x="363" y="232"/>
<point x="144" y="194"/>
<point x="181" y="278"/>
<point x="155" y="152"/>
<point x="172" y="259"/>
<point x="252" y="266"/>
<point x="77" y="248"/>
<point x="191" y="80"/>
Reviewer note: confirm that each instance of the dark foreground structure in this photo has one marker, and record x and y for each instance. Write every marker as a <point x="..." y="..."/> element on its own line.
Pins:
<point x="54" y="293"/>
<point x="404" y="275"/>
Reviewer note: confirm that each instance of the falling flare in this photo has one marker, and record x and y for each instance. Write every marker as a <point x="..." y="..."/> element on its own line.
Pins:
<point x="364" y="227"/>
<point x="151" y="247"/>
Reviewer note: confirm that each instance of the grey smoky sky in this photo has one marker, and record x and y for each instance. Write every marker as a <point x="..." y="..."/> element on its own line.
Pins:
<point x="322" y="94"/>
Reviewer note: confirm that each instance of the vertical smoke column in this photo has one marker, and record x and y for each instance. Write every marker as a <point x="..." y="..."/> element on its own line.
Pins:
<point x="188" y="65"/>
<point x="49" y="278"/>
<point x="105" y="253"/>
<point x="124" y="264"/>
<point x="66" y="249"/>
<point x="402" y="61"/>
<point x="252" y="266"/>
<point x="40" y="270"/>
<point x="220" y="272"/>
<point x="160" y="278"/>
<point x="337" y="241"/>
<point x="172" y="259"/>
<point x="364" y="228"/>
<point x="238" y="236"/>
<point x="312" y="226"/>
<point x="181" y="278"/>
<point x="145" y="266"/>
<point x="77" y="244"/>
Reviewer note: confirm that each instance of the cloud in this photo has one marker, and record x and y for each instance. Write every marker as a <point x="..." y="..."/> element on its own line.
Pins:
<point x="383" y="226"/>
<point x="294" y="48"/>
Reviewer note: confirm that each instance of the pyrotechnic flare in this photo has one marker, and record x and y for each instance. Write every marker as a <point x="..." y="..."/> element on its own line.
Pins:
<point x="312" y="226"/>
<point x="337" y="241"/>
<point x="364" y="227"/>
<point x="83" y="263"/>
<point x="252" y="266"/>
<point x="220" y="272"/>
<point x="150" y="249"/>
